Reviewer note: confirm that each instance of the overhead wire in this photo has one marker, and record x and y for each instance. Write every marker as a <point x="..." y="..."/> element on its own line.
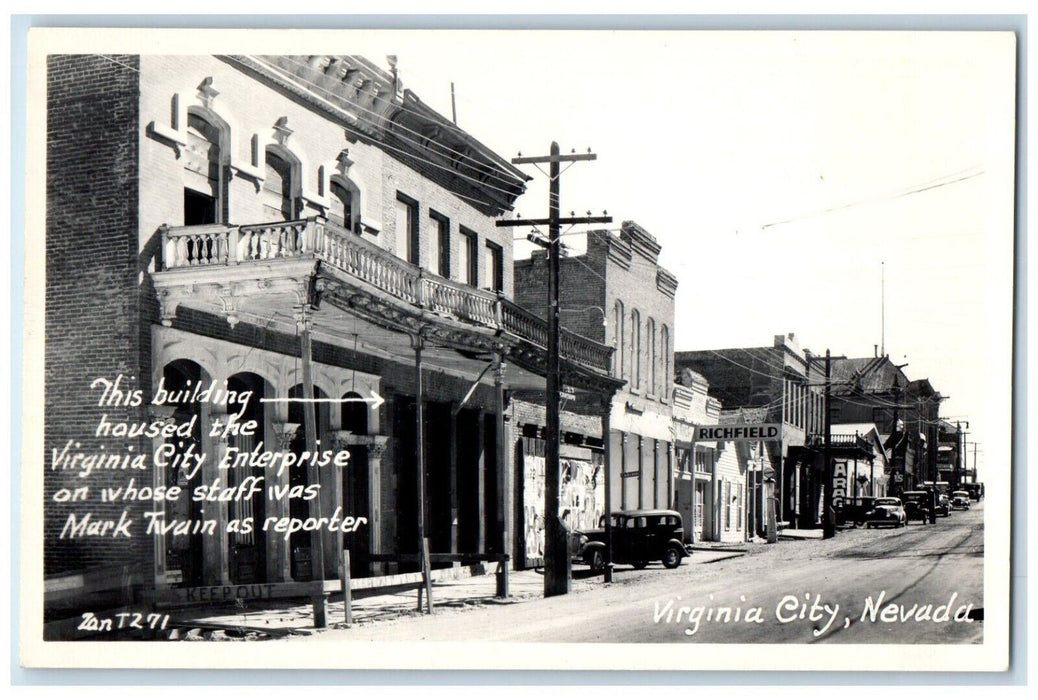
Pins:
<point x="402" y="106"/>
<point x="421" y="138"/>
<point x="941" y="181"/>
<point x="447" y="151"/>
<point x="416" y="157"/>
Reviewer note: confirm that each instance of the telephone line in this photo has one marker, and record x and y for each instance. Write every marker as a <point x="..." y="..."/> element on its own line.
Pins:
<point x="414" y="156"/>
<point x="444" y="150"/>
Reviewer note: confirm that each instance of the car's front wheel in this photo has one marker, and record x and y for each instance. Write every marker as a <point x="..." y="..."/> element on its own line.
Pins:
<point x="596" y="561"/>
<point x="671" y="558"/>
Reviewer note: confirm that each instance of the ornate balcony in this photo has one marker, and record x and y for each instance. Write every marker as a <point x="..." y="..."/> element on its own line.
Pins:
<point x="229" y="264"/>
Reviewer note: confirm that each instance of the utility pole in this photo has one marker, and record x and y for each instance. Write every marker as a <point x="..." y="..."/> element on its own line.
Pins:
<point x="829" y="521"/>
<point x="556" y="545"/>
<point x="318" y="598"/>
<point x="899" y="488"/>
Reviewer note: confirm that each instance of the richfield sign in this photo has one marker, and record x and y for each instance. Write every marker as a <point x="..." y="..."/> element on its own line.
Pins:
<point x="749" y="432"/>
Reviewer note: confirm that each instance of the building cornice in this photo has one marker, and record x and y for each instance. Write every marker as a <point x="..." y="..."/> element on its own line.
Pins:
<point x="372" y="106"/>
<point x="666" y="282"/>
<point x="640" y="240"/>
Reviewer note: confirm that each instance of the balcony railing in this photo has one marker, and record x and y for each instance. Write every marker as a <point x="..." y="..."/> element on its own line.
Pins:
<point x="224" y="245"/>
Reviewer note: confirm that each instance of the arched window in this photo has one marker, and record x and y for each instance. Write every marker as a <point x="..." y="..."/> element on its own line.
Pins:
<point x="345" y="209"/>
<point x="666" y="355"/>
<point x="618" y="339"/>
<point x="636" y="349"/>
<point x="650" y="331"/>
<point x="280" y="187"/>
<point x="204" y="189"/>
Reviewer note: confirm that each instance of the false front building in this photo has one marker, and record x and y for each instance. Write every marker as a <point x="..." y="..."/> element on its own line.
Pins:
<point x="618" y="294"/>
<point x="251" y="236"/>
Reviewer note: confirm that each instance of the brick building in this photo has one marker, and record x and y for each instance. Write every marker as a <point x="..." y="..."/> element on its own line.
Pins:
<point x="617" y="293"/>
<point x="781" y="385"/>
<point x="236" y="224"/>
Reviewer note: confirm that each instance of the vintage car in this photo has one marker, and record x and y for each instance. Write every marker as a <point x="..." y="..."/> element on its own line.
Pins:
<point x="639" y="537"/>
<point x="975" y="490"/>
<point x="943" y="505"/>
<point x="960" y="500"/>
<point x="886" y="511"/>
<point x="918" y="505"/>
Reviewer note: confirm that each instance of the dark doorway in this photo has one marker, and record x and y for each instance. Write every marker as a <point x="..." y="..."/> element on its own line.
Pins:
<point x="470" y="449"/>
<point x="438" y="514"/>
<point x="490" y="504"/>
<point x="184" y="553"/>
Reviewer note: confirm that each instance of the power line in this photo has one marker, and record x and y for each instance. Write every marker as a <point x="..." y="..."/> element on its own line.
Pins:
<point x="118" y="63"/>
<point x="414" y="156"/>
<point x="914" y="189"/>
<point x="444" y="150"/>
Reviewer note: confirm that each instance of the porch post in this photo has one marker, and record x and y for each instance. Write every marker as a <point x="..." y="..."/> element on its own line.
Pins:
<point x="607" y="467"/>
<point x="419" y="398"/>
<point x="452" y="478"/>
<point x="313" y="475"/>
<point x="503" y="474"/>
<point x="376" y="450"/>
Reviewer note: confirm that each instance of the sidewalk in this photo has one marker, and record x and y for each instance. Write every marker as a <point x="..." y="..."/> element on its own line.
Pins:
<point x="296" y="617"/>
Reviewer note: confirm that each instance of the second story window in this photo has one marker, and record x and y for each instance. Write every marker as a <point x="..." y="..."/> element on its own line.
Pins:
<point x="407" y="229"/>
<point x="650" y="327"/>
<point x="618" y="339"/>
<point x="279" y="188"/>
<point x="495" y="267"/>
<point x="345" y="208"/>
<point x="636" y="349"/>
<point x="440" y="245"/>
<point x="665" y="357"/>
<point x="467" y="261"/>
<point x="203" y="173"/>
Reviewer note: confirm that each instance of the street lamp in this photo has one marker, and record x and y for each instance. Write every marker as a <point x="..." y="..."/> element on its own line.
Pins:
<point x="599" y="309"/>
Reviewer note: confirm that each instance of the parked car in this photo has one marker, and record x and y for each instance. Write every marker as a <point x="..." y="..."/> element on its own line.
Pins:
<point x="639" y="537"/>
<point x="918" y="505"/>
<point x="960" y="500"/>
<point x="975" y="490"/>
<point x="886" y="511"/>
<point x="943" y="505"/>
<point x="854" y="510"/>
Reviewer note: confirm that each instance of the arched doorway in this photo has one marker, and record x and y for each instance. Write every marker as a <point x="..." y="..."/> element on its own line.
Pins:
<point x="184" y="552"/>
<point x="247" y="549"/>
<point x="355" y="486"/>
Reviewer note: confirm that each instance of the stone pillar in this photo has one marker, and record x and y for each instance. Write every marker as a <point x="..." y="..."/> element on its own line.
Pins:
<point x="215" y="552"/>
<point x="160" y="477"/>
<point x="332" y="498"/>
<point x="376" y="450"/>
<point x="279" y="563"/>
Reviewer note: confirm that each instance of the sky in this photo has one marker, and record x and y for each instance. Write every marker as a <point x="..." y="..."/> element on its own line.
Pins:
<point x="854" y="189"/>
<point x="785" y="174"/>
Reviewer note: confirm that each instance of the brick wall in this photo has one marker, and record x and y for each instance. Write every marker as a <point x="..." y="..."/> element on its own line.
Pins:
<point x="92" y="302"/>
